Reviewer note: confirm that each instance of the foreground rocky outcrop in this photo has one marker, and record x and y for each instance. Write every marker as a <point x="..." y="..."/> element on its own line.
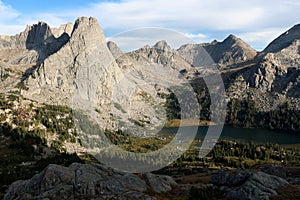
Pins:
<point x="88" y="181"/>
<point x="246" y="185"/>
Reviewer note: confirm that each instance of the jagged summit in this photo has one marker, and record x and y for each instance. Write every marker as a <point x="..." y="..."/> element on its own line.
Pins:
<point x="38" y="41"/>
<point x="160" y="53"/>
<point x="162" y="45"/>
<point x="233" y="37"/>
<point x="231" y="51"/>
<point x="33" y="35"/>
<point x="37" y="34"/>
<point x="232" y="40"/>
<point x="65" y="28"/>
<point x="32" y="45"/>
<point x="87" y="33"/>
<point x="114" y="49"/>
<point x="284" y="40"/>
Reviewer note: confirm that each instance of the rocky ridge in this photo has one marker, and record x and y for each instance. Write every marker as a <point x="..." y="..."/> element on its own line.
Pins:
<point x="227" y="53"/>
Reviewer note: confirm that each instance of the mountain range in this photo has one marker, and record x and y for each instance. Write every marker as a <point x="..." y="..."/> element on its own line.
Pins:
<point x="57" y="82"/>
<point x="75" y="66"/>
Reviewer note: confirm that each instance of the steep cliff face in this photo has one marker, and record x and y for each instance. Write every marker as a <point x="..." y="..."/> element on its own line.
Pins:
<point x="81" y="74"/>
<point x="83" y="58"/>
<point x="32" y="36"/>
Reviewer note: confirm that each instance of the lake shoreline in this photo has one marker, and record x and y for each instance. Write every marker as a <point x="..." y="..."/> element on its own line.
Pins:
<point x="175" y="123"/>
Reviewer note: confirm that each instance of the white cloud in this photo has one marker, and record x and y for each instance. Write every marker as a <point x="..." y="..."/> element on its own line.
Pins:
<point x="198" y="38"/>
<point x="7" y="15"/>
<point x="194" y="15"/>
<point x="259" y="21"/>
<point x="138" y="38"/>
<point x="183" y="15"/>
<point x="11" y="29"/>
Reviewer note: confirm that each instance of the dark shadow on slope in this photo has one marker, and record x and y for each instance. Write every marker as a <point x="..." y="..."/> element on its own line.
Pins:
<point x="41" y="39"/>
<point x="281" y="83"/>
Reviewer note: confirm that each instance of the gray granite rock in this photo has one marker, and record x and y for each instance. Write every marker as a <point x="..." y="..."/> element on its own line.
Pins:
<point x="160" y="183"/>
<point x="87" y="181"/>
<point x="246" y="185"/>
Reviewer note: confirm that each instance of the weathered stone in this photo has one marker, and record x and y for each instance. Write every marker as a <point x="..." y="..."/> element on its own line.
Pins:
<point x="82" y="181"/>
<point x="160" y="183"/>
<point x="245" y="185"/>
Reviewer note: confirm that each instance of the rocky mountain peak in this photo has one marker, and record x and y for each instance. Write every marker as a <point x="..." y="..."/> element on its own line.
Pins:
<point x="233" y="40"/>
<point x="86" y="22"/>
<point x="32" y="45"/>
<point x="87" y="31"/>
<point x="162" y="45"/>
<point x="32" y="36"/>
<point x="160" y="53"/>
<point x="75" y="72"/>
<point x="229" y="52"/>
<point x="231" y="37"/>
<point x="65" y="28"/>
<point x="38" y="33"/>
<point x="284" y="40"/>
<point x="114" y="49"/>
<point x="214" y="42"/>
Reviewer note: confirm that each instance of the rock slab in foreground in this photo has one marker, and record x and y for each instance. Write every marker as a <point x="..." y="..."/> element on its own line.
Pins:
<point x="245" y="185"/>
<point x="86" y="181"/>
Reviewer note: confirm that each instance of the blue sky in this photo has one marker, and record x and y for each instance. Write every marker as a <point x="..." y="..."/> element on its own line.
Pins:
<point x="256" y="22"/>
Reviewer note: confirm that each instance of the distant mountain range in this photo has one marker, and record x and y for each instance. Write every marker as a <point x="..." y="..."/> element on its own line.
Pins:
<point x="73" y="65"/>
